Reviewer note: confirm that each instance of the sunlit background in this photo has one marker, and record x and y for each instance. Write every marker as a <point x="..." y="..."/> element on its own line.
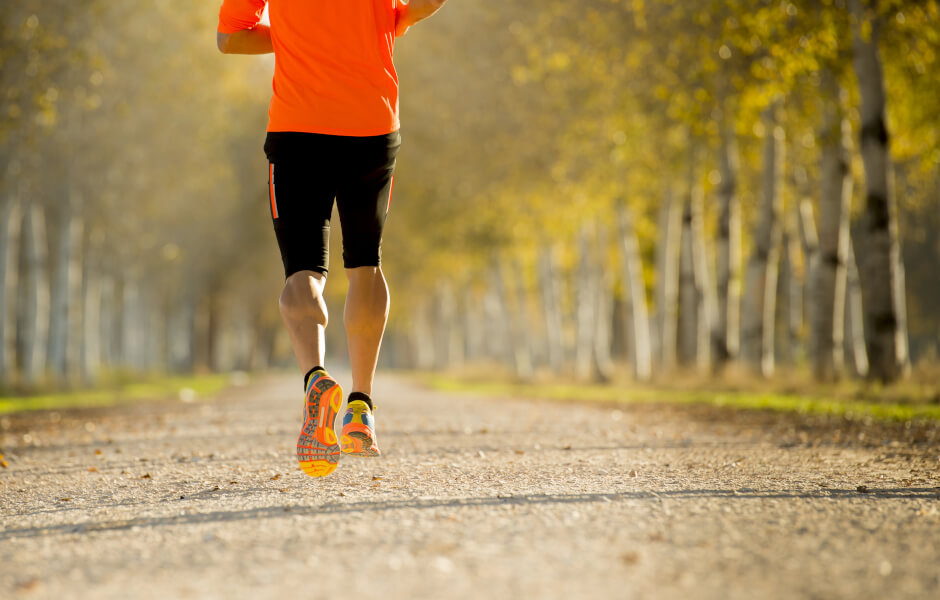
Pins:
<point x="604" y="189"/>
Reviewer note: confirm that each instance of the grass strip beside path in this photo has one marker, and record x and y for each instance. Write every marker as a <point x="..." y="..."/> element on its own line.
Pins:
<point x="801" y="404"/>
<point x="186" y="388"/>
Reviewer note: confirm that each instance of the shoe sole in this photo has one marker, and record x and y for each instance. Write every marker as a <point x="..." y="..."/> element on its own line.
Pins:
<point x="317" y="449"/>
<point x="360" y="443"/>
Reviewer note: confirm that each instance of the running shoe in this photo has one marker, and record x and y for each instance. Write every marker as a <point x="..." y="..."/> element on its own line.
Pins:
<point x="317" y="450"/>
<point x="358" y="434"/>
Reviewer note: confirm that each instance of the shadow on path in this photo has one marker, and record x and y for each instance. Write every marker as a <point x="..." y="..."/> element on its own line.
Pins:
<point x="269" y="512"/>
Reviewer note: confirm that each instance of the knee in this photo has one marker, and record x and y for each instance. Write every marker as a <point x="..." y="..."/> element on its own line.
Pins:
<point x="302" y="298"/>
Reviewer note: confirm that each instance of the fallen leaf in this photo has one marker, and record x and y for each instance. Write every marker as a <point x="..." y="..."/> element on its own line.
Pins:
<point x="566" y="447"/>
<point x="97" y="452"/>
<point x="376" y="477"/>
<point x="276" y="477"/>
<point x="630" y="558"/>
<point x="145" y="476"/>
<point x="633" y="474"/>
<point x="92" y="469"/>
<point x="862" y="489"/>
<point x="65" y="499"/>
<point x="520" y="451"/>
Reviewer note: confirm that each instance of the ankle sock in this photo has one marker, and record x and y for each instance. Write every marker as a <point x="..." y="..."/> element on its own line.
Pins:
<point x="361" y="396"/>
<point x="310" y="374"/>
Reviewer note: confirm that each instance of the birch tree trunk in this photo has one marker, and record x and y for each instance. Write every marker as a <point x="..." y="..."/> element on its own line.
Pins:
<point x="759" y="307"/>
<point x="705" y="295"/>
<point x="66" y="230"/>
<point x="728" y="338"/>
<point x="884" y="296"/>
<point x="8" y="235"/>
<point x="687" y="325"/>
<point x="828" y="305"/>
<point x="585" y="308"/>
<point x="474" y="326"/>
<point x="854" y="317"/>
<point x="791" y="289"/>
<point x="603" y="312"/>
<point x="90" y="347"/>
<point x="522" y="339"/>
<point x="32" y="302"/>
<point x="667" y="288"/>
<point x="634" y="293"/>
<point x="551" y="307"/>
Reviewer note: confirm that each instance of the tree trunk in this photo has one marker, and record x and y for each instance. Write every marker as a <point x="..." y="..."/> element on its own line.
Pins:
<point x="835" y="199"/>
<point x="728" y="338"/>
<point x="603" y="312"/>
<point x="705" y="295"/>
<point x="854" y="317"/>
<point x="32" y="303"/>
<point x="687" y="326"/>
<point x="585" y="309"/>
<point x="791" y="289"/>
<point x="634" y="293"/>
<point x="8" y="237"/>
<point x="759" y="308"/>
<point x="551" y="308"/>
<point x="667" y="287"/>
<point x="474" y="326"/>
<point x="884" y="296"/>
<point x="422" y="339"/>
<point x="89" y="354"/>
<point x="63" y="236"/>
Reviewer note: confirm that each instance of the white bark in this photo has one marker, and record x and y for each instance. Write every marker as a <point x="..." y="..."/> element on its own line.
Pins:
<point x="830" y="275"/>
<point x="706" y="300"/>
<point x="62" y="284"/>
<point x="90" y="352"/>
<point x="884" y="301"/>
<point x="9" y="236"/>
<point x="667" y="288"/>
<point x="728" y="338"/>
<point x="603" y="312"/>
<point x="687" y="326"/>
<point x="759" y="306"/>
<point x="32" y="303"/>
<point x="585" y="309"/>
<point x="854" y="317"/>
<point x="550" y="286"/>
<point x="634" y="293"/>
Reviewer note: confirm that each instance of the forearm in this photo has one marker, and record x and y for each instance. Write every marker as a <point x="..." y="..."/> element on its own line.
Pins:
<point x="415" y="11"/>
<point x="256" y="40"/>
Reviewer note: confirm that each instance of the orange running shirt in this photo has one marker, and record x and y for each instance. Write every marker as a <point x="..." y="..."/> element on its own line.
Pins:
<point x="333" y="69"/>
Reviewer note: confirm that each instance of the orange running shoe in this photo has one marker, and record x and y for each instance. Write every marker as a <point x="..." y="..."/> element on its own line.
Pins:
<point x="317" y="450"/>
<point x="358" y="434"/>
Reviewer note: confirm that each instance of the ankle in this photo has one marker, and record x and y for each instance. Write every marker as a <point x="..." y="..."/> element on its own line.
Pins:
<point x="362" y="396"/>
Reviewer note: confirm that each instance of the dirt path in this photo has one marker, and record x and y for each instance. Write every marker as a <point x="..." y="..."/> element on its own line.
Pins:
<point x="475" y="498"/>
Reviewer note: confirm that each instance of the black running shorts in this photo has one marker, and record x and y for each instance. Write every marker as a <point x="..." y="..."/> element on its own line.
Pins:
<point x="306" y="173"/>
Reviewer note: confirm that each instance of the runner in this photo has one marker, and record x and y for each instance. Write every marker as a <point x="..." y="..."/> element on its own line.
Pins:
<point x="332" y="136"/>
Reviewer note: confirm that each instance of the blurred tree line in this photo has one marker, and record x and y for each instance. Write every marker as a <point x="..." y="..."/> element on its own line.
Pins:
<point x="132" y="237"/>
<point x="713" y="185"/>
<point x="708" y="185"/>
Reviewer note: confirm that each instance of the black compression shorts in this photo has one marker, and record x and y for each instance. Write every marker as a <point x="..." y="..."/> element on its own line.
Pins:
<point x="307" y="172"/>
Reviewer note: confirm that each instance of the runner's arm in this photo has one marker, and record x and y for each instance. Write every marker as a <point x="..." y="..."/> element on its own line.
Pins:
<point x="256" y="40"/>
<point x="414" y="11"/>
<point x="240" y="29"/>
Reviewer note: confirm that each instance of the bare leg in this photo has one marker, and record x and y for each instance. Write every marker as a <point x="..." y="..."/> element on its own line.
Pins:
<point x="365" y="318"/>
<point x="304" y="312"/>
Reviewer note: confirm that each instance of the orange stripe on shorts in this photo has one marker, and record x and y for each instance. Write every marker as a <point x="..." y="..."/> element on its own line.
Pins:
<point x="271" y="191"/>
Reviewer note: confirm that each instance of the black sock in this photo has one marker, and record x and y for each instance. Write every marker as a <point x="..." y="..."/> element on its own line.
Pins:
<point x="309" y="374"/>
<point x="361" y="396"/>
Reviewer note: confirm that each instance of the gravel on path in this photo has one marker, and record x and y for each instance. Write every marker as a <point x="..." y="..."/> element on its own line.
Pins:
<point x="473" y="498"/>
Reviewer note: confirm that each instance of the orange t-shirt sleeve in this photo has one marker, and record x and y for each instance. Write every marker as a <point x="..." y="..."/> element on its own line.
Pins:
<point x="238" y="15"/>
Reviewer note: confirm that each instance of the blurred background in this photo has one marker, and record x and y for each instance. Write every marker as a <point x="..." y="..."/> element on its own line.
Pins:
<point x="606" y="190"/>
